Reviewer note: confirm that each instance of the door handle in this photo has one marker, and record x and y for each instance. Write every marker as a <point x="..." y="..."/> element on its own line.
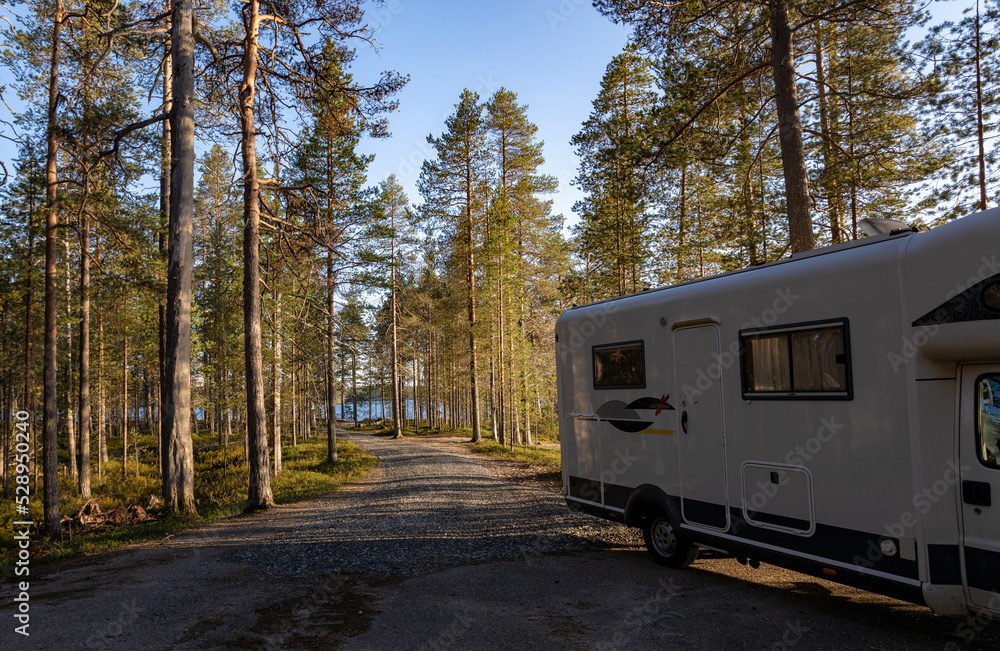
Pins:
<point x="976" y="492"/>
<point x="684" y="421"/>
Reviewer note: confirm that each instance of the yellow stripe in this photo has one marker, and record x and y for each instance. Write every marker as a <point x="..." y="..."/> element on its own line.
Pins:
<point x="667" y="432"/>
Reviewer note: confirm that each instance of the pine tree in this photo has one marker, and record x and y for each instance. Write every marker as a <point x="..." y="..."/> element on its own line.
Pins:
<point x="967" y="59"/>
<point x="452" y="186"/>
<point x="218" y="276"/>
<point x="613" y="234"/>
<point x="393" y="206"/>
<point x="519" y="249"/>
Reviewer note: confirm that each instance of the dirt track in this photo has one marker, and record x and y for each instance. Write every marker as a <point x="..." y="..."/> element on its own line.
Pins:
<point x="435" y="551"/>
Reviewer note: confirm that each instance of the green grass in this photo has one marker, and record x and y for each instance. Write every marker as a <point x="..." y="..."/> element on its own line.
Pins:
<point x="545" y="457"/>
<point x="421" y="429"/>
<point x="541" y="434"/>
<point x="221" y="479"/>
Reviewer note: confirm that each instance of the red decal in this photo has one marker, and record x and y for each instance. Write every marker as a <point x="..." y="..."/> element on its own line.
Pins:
<point x="663" y="402"/>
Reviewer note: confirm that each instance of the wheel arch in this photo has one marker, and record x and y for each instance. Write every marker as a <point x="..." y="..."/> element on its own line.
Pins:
<point x="645" y="500"/>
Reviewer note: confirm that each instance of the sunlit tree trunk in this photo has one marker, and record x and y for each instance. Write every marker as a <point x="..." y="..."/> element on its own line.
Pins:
<point x="50" y="470"/>
<point x="980" y="132"/>
<point x="397" y="432"/>
<point x="790" y="129"/>
<point x="176" y="403"/>
<point x="125" y="404"/>
<point x="259" y="495"/>
<point x="85" y="420"/>
<point x="331" y="374"/>
<point x="838" y="229"/>
<point x="70" y="422"/>
<point x="276" y="382"/>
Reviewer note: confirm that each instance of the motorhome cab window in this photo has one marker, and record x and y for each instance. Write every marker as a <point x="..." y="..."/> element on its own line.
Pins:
<point x="806" y="360"/>
<point x="619" y="366"/>
<point x="988" y="420"/>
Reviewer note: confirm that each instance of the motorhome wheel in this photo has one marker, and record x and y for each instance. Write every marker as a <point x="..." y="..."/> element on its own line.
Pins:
<point x="665" y="544"/>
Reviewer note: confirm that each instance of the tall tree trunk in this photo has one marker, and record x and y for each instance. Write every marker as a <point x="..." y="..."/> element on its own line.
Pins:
<point x="166" y="176"/>
<point x="259" y="495"/>
<point x="50" y="470"/>
<point x="793" y="158"/>
<point x="176" y="401"/>
<point x="682" y="223"/>
<point x="331" y="373"/>
<point x="471" y="281"/>
<point x="838" y="229"/>
<point x="72" y="460"/>
<point x="125" y="404"/>
<point x="295" y="404"/>
<point x="525" y="403"/>
<point x="28" y="397"/>
<point x="354" y="385"/>
<point x="276" y="380"/>
<point x="102" y="411"/>
<point x="979" y="114"/>
<point x="397" y="432"/>
<point x="85" y="420"/>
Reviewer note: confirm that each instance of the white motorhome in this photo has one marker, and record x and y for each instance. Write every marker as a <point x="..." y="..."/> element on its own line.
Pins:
<point x="835" y="413"/>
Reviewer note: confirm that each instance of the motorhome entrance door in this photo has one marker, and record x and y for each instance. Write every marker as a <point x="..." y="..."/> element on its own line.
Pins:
<point x="701" y="443"/>
<point x="979" y="451"/>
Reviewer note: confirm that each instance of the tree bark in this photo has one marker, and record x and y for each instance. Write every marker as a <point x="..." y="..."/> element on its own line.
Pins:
<point x="793" y="159"/>
<point x="102" y="412"/>
<point x="50" y="470"/>
<point x="259" y="495"/>
<point x="979" y="114"/>
<point x="176" y="401"/>
<point x="162" y="245"/>
<point x="70" y="420"/>
<point x="838" y="229"/>
<point x="471" y="280"/>
<point x="397" y="432"/>
<point x="276" y="381"/>
<point x="28" y="398"/>
<point x="125" y="404"/>
<point x="331" y="371"/>
<point x="85" y="420"/>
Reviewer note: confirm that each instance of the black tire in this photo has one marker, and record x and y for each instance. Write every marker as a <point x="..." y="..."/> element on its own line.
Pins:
<point x="665" y="542"/>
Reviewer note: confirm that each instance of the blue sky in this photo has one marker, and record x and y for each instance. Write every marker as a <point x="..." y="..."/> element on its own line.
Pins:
<point x="551" y="53"/>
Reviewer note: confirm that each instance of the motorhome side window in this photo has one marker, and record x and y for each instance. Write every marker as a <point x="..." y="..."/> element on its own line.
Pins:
<point x="988" y="420"/>
<point x="797" y="361"/>
<point x="619" y="366"/>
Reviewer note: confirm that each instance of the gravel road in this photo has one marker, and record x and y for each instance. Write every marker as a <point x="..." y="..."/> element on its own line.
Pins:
<point x="430" y="505"/>
<point x="435" y="551"/>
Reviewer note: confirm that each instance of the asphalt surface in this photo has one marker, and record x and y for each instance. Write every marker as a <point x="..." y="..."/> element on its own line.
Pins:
<point x="435" y="551"/>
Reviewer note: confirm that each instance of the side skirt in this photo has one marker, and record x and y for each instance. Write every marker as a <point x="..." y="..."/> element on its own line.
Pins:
<point x="855" y="579"/>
